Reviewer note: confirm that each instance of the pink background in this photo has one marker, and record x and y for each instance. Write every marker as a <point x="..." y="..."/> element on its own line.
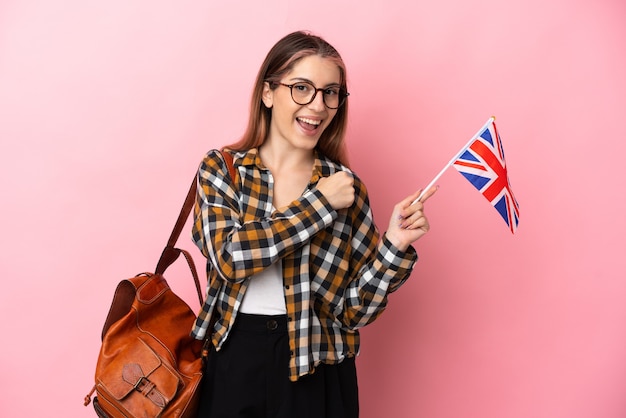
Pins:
<point x="106" y="108"/>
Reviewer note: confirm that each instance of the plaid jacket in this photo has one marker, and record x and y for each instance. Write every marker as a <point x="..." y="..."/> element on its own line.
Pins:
<point x="337" y="272"/>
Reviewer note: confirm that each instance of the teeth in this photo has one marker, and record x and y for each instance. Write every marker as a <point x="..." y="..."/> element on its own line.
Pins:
<point x="310" y="121"/>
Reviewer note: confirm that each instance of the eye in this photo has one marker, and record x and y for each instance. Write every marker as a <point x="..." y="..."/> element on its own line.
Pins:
<point x="302" y="87"/>
<point x="332" y="91"/>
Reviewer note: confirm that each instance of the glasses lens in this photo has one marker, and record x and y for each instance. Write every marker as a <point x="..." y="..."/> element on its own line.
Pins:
<point x="332" y="97"/>
<point x="335" y="97"/>
<point x="302" y="93"/>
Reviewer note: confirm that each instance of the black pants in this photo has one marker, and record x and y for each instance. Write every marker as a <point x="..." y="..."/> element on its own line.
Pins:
<point x="248" y="378"/>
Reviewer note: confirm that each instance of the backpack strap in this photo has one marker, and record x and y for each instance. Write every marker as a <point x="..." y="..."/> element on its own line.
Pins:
<point x="170" y="254"/>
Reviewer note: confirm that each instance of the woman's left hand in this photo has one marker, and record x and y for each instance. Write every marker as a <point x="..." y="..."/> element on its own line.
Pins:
<point x="408" y="222"/>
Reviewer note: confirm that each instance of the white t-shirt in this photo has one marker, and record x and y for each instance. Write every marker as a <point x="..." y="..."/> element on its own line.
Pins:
<point x="265" y="294"/>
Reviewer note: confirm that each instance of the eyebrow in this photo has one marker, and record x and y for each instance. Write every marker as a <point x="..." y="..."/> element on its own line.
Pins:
<point x="296" y="79"/>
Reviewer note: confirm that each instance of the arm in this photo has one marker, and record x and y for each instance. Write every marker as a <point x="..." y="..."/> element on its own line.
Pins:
<point x="240" y="249"/>
<point x="377" y="266"/>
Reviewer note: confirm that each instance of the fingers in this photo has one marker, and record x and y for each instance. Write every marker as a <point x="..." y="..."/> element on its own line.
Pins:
<point x="411" y="215"/>
<point x="415" y="218"/>
<point x="411" y="202"/>
<point x="408" y="221"/>
<point x="428" y="193"/>
<point x="338" y="189"/>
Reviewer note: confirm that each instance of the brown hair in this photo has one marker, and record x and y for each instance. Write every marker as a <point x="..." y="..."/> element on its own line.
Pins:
<point x="279" y="61"/>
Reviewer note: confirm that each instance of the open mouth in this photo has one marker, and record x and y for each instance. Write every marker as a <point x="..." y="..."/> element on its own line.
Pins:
<point x="309" y="124"/>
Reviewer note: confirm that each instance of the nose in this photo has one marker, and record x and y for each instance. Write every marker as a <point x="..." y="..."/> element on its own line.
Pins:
<point x="318" y="101"/>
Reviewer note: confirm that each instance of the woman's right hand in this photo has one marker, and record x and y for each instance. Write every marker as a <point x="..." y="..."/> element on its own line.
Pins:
<point x="338" y="189"/>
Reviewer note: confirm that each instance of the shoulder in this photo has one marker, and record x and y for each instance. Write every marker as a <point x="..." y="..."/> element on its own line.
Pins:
<point x="215" y="159"/>
<point x="213" y="166"/>
<point x="212" y="158"/>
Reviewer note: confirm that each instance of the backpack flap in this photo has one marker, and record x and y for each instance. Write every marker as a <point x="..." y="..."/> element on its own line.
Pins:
<point x="144" y="383"/>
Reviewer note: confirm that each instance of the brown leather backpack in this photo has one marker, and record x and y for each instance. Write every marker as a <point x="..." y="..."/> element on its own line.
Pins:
<point x="149" y="365"/>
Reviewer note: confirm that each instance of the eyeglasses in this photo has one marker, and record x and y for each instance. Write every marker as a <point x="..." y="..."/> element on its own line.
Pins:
<point x="304" y="93"/>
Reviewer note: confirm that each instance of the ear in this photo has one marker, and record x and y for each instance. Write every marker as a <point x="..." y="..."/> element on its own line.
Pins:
<point x="268" y="95"/>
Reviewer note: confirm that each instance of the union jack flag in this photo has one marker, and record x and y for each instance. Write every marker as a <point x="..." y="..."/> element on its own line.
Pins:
<point x="483" y="164"/>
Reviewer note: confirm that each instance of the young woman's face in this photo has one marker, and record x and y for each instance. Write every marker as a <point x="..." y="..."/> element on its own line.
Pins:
<point x="300" y="126"/>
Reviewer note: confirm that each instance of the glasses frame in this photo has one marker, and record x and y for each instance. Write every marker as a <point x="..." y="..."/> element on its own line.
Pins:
<point x="343" y="94"/>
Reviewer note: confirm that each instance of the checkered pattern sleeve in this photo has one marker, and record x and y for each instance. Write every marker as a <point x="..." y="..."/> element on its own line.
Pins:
<point x="378" y="268"/>
<point x="239" y="249"/>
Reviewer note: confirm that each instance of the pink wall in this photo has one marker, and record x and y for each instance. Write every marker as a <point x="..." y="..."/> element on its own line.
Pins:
<point x="107" y="107"/>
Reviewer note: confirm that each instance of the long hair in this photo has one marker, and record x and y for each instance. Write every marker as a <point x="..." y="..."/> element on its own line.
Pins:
<point x="280" y="60"/>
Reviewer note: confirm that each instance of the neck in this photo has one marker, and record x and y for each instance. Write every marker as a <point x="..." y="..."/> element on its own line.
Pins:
<point x="278" y="158"/>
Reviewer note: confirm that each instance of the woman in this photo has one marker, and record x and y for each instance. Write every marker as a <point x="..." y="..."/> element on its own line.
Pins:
<point x="296" y="265"/>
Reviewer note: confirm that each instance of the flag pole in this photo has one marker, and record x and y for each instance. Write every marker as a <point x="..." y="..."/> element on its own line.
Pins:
<point x="458" y="154"/>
